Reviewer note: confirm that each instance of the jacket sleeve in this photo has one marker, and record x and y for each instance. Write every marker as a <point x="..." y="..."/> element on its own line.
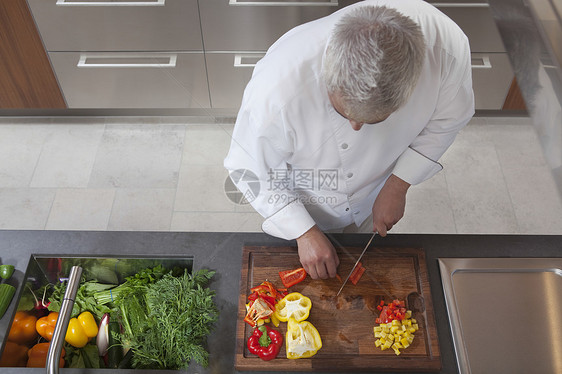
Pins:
<point x="455" y="108"/>
<point x="257" y="165"/>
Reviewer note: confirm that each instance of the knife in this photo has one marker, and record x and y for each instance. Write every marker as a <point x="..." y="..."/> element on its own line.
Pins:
<point x="359" y="259"/>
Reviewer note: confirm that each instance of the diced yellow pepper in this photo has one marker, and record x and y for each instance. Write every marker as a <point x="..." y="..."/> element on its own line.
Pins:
<point x="405" y="343"/>
<point x="377" y="343"/>
<point x="377" y="329"/>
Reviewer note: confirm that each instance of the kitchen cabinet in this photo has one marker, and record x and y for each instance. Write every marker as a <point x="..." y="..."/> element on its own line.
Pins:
<point x="132" y="79"/>
<point x="116" y="53"/>
<point x="237" y="33"/>
<point x="124" y="54"/>
<point x="25" y="72"/>
<point x="492" y="74"/>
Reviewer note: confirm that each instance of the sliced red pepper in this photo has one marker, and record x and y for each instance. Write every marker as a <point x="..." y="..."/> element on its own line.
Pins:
<point x="292" y="277"/>
<point x="259" y="309"/>
<point x="357" y="273"/>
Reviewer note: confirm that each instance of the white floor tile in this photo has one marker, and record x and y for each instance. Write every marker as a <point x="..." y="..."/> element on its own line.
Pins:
<point x="132" y="156"/>
<point x="81" y="209"/>
<point x="142" y="210"/>
<point x="25" y="208"/>
<point x="67" y="156"/>
<point x="201" y="189"/>
<point x="205" y="145"/>
<point x="20" y="147"/>
<point x="479" y="195"/>
<point x="428" y="211"/>
<point x="156" y="173"/>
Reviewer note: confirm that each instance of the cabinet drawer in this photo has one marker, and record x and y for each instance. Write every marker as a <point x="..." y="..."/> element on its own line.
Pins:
<point x="476" y="20"/>
<point x="229" y="73"/>
<point x="491" y="78"/>
<point x="132" y="80"/>
<point x="253" y="25"/>
<point x="122" y="25"/>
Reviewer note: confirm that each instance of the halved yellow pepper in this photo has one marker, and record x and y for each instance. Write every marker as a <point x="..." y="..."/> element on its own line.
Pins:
<point x="81" y="329"/>
<point x="302" y="339"/>
<point x="294" y="305"/>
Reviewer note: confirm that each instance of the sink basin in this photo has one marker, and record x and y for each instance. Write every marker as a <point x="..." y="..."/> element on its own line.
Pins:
<point x="44" y="270"/>
<point x="505" y="313"/>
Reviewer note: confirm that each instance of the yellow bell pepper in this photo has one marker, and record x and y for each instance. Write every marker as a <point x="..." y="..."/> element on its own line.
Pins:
<point x="81" y="329"/>
<point x="302" y="339"/>
<point x="294" y="305"/>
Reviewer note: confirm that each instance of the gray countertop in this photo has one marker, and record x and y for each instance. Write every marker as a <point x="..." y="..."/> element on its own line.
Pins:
<point x="222" y="252"/>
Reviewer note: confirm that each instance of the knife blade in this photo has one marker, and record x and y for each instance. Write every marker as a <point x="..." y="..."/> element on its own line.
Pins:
<point x="358" y="260"/>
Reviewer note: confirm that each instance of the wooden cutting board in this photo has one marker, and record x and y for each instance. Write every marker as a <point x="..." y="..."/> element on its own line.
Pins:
<point x="346" y="322"/>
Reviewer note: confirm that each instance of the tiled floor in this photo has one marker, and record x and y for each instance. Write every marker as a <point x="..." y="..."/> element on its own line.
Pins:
<point x="163" y="174"/>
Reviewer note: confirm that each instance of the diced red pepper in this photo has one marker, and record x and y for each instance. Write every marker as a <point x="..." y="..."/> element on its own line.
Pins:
<point x="357" y="273"/>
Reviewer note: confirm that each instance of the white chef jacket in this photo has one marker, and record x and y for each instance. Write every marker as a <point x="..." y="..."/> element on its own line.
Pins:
<point x="312" y="167"/>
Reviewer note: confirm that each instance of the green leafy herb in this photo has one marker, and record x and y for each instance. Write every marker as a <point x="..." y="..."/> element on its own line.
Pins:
<point x="84" y="301"/>
<point x="166" y="327"/>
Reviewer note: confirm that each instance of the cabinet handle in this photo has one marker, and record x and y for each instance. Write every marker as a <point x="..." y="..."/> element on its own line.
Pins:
<point x="461" y="5"/>
<point x="284" y="3"/>
<point x="115" y="60"/>
<point x="247" y="60"/>
<point x="111" y="3"/>
<point x="486" y="64"/>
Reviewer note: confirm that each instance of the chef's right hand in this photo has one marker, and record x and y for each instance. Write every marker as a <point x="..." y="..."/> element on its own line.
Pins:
<point x="317" y="254"/>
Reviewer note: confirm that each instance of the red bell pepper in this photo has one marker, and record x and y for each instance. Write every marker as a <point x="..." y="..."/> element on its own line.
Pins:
<point x="265" y="342"/>
<point x="292" y="277"/>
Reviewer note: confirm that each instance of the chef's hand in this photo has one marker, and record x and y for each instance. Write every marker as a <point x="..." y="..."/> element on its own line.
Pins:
<point x="317" y="254"/>
<point x="389" y="205"/>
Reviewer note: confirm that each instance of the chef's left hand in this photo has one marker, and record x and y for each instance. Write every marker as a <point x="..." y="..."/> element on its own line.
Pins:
<point x="389" y="205"/>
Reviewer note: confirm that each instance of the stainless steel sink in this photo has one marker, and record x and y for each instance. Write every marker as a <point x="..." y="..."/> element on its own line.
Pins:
<point x="505" y="313"/>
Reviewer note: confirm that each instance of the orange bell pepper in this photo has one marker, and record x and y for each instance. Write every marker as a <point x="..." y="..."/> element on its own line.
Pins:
<point x="23" y="328"/>
<point x="45" y="326"/>
<point x="15" y="355"/>
<point x="38" y="356"/>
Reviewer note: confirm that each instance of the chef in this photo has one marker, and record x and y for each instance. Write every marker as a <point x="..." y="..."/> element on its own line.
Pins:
<point x="343" y="115"/>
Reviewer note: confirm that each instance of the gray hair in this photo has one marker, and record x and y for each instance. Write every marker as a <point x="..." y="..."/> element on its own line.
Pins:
<point x="373" y="60"/>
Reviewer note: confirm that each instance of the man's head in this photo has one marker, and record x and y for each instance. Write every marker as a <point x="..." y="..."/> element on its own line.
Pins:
<point x="372" y="63"/>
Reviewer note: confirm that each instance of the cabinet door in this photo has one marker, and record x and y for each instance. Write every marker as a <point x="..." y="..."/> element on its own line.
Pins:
<point x="475" y="19"/>
<point x="118" y="25"/>
<point x="253" y="25"/>
<point x="26" y="77"/>
<point x="132" y="80"/>
<point x="229" y="73"/>
<point x="491" y="79"/>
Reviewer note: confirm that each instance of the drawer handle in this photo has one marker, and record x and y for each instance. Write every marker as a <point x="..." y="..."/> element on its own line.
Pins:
<point x="284" y="3"/>
<point x="485" y="63"/>
<point x="246" y="60"/>
<point x="461" y="5"/>
<point x="111" y="3"/>
<point x="100" y="60"/>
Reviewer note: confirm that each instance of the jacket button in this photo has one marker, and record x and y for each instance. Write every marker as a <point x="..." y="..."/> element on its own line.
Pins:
<point x="349" y="175"/>
<point x="344" y="146"/>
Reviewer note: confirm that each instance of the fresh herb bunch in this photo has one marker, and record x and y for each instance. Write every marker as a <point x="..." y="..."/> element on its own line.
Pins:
<point x="84" y="300"/>
<point x="170" y="329"/>
<point x="136" y="283"/>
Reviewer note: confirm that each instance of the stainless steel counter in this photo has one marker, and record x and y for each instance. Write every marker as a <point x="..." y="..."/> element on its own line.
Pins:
<point x="531" y="31"/>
